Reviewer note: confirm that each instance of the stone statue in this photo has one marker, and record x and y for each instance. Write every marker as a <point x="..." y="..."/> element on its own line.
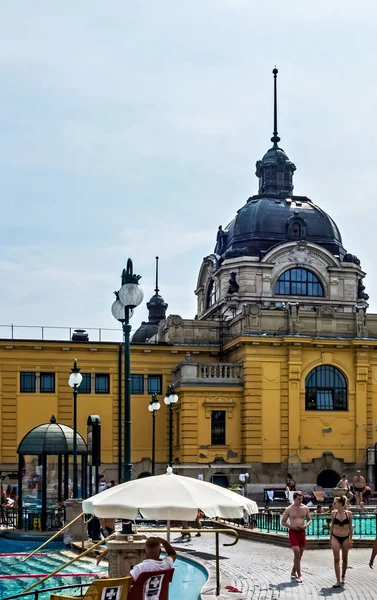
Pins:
<point x="351" y="258"/>
<point x="361" y="294"/>
<point x="219" y="240"/>
<point x="233" y="285"/>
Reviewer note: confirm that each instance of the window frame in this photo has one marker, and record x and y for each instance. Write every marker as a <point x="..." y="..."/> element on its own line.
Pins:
<point x="88" y="377"/>
<point x="29" y="391"/>
<point x="212" y="293"/>
<point x="157" y="390"/>
<point x="97" y="377"/>
<point x="302" y="279"/>
<point x="326" y="390"/>
<point x="141" y="379"/>
<point x="216" y="438"/>
<point x="46" y="374"/>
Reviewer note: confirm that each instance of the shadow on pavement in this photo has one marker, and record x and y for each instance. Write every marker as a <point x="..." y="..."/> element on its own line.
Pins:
<point x="203" y="555"/>
<point x="330" y="591"/>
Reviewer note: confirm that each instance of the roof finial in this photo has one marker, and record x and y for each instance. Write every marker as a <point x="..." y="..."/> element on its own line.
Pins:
<point x="156" y="288"/>
<point x="275" y="138"/>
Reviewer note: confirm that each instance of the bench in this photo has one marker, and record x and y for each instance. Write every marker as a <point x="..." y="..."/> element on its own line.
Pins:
<point x="279" y="494"/>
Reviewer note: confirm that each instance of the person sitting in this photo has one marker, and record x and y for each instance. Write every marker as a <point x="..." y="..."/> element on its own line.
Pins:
<point x="154" y="562"/>
<point x="319" y="510"/>
<point x="107" y="527"/>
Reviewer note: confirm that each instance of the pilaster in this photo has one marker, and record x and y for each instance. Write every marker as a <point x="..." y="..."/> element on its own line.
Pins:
<point x="361" y="369"/>
<point x="294" y="377"/>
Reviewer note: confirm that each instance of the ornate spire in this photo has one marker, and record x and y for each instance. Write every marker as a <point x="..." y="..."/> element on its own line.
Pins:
<point x="275" y="138"/>
<point x="156" y="288"/>
<point x="275" y="170"/>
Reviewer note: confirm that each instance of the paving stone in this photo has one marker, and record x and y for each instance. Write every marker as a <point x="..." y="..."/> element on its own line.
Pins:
<point x="262" y="571"/>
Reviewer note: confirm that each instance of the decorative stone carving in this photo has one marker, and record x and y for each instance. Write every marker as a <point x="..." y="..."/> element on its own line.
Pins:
<point x="219" y="402"/>
<point x="326" y="311"/>
<point x="360" y="291"/>
<point x="233" y="285"/>
<point x="294" y="318"/>
<point x="361" y="321"/>
<point x="351" y="258"/>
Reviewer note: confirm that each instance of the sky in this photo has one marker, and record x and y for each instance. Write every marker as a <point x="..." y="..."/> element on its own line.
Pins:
<point x="131" y="129"/>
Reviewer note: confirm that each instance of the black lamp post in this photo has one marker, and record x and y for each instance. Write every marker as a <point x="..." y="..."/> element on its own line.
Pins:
<point x="153" y="407"/>
<point x="170" y="399"/>
<point x="129" y="296"/>
<point x="74" y="381"/>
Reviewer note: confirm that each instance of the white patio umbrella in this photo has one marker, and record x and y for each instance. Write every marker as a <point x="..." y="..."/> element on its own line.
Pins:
<point x="168" y="497"/>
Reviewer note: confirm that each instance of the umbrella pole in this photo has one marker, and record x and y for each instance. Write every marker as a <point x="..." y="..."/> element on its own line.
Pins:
<point x="168" y="531"/>
<point x="217" y="565"/>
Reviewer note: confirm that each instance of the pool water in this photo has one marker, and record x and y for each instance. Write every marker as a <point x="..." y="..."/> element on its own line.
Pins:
<point x="188" y="579"/>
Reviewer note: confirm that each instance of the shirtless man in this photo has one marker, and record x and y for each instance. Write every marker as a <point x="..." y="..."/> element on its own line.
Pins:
<point x="296" y="514"/>
<point x="358" y="487"/>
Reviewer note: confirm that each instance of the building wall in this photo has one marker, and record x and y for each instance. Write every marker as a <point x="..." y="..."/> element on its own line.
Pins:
<point x="268" y="428"/>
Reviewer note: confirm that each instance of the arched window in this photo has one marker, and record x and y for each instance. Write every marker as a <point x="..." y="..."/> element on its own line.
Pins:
<point x="298" y="282"/>
<point x="212" y="294"/>
<point x="326" y="389"/>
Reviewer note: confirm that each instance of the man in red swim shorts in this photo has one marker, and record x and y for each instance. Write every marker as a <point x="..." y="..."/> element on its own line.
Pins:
<point x="297" y="514"/>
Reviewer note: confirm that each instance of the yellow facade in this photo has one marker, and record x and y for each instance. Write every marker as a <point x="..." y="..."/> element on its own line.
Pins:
<point x="268" y="429"/>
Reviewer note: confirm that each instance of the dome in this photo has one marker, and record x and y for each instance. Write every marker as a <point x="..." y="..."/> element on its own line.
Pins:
<point x="51" y="438"/>
<point x="263" y="222"/>
<point x="275" y="215"/>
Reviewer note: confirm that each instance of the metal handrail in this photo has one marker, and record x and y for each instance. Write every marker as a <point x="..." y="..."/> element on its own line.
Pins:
<point x="43" y="329"/>
<point x="35" y="594"/>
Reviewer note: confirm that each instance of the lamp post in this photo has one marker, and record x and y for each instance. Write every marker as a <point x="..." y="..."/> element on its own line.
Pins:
<point x="74" y="381"/>
<point x="170" y="399"/>
<point x="129" y="296"/>
<point x="153" y="407"/>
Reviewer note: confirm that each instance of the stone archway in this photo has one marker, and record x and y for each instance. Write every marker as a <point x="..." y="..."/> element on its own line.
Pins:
<point x="220" y="479"/>
<point x="328" y="478"/>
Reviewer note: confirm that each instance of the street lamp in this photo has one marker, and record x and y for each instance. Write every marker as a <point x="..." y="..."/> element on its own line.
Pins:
<point x="170" y="399"/>
<point x="129" y="296"/>
<point x="153" y="407"/>
<point x="74" y="381"/>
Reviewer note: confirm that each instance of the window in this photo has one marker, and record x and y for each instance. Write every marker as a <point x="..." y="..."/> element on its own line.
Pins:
<point x="154" y="384"/>
<point x="102" y="384"/>
<point x="298" y="282"/>
<point x="212" y="294"/>
<point x="27" y="382"/>
<point x="218" y="427"/>
<point x="85" y="386"/>
<point x="137" y="384"/>
<point x="47" y="383"/>
<point x="43" y="383"/>
<point x="325" y="389"/>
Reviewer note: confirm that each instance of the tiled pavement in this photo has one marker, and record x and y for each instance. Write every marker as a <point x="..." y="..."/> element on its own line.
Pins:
<point x="262" y="571"/>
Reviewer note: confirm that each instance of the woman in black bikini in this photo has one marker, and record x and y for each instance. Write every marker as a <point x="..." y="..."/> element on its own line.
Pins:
<point x="340" y="537"/>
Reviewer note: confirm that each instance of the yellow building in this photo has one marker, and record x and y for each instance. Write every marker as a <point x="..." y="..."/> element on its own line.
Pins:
<point x="276" y="373"/>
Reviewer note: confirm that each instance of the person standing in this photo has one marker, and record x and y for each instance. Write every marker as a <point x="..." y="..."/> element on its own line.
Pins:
<point x="367" y="494"/>
<point x="340" y="537"/>
<point x="358" y="487"/>
<point x="297" y="514"/>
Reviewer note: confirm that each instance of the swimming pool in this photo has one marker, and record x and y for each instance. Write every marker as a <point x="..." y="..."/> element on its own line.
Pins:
<point x="188" y="579"/>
